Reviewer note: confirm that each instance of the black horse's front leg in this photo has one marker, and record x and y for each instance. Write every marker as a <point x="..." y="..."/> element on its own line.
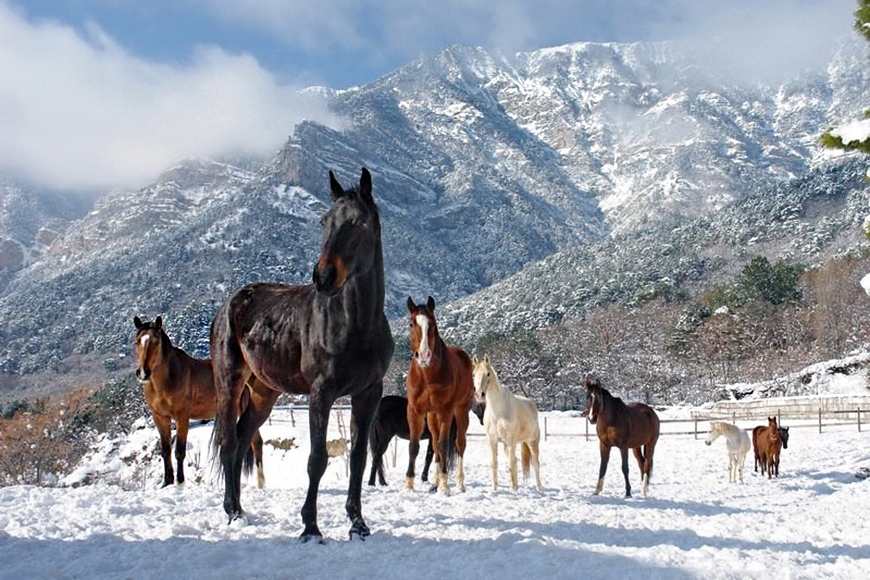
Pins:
<point x="318" y="421"/>
<point x="363" y="408"/>
<point x="623" y="451"/>
<point x="605" y="457"/>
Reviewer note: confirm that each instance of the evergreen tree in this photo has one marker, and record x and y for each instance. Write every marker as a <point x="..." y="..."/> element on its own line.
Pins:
<point x="853" y="136"/>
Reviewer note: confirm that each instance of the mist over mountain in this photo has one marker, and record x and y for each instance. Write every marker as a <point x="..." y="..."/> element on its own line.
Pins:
<point x="517" y="191"/>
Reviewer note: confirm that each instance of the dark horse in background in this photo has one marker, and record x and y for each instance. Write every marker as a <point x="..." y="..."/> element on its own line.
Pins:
<point x="328" y="339"/>
<point x="178" y="386"/>
<point x="440" y="390"/>
<point x="632" y="426"/>
<point x="391" y="421"/>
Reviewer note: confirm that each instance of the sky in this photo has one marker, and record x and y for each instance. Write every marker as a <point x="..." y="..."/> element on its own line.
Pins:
<point x="810" y="522"/>
<point x="96" y="94"/>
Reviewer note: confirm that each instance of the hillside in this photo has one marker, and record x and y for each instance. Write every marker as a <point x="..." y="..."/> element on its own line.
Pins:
<point x="590" y="171"/>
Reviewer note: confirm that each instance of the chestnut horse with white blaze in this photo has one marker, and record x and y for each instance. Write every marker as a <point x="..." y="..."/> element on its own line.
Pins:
<point x="440" y="391"/>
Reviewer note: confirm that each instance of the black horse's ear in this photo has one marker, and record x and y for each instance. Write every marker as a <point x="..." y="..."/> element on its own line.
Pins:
<point x="430" y="304"/>
<point x="335" y="187"/>
<point x="365" y="187"/>
<point x="138" y="322"/>
<point x="411" y="306"/>
<point x="158" y="323"/>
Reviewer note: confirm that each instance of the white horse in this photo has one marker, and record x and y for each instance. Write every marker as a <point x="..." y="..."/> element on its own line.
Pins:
<point x="508" y="418"/>
<point x="737" y="444"/>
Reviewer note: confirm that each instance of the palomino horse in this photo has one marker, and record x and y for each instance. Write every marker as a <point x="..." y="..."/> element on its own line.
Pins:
<point x="632" y="426"/>
<point x="328" y="339"/>
<point x="736" y="443"/>
<point x="510" y="419"/>
<point x="392" y="421"/>
<point x="440" y="390"/>
<point x="768" y="444"/>
<point x="178" y="386"/>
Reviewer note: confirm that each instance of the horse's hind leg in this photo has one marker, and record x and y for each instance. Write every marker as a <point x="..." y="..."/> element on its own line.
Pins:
<point x="430" y="453"/>
<point x="415" y="430"/>
<point x="534" y="458"/>
<point x="460" y="417"/>
<point x="257" y="448"/>
<point x="511" y="449"/>
<point x="364" y="405"/>
<point x="623" y="451"/>
<point x="182" y="425"/>
<point x="164" y="428"/>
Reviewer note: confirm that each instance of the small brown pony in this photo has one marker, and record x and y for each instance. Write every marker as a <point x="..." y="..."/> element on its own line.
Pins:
<point x="632" y="426"/>
<point x="767" y="441"/>
<point x="178" y="386"/>
<point x="440" y="390"/>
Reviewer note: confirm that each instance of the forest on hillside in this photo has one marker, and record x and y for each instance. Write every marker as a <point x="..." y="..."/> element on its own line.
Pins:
<point x="772" y="319"/>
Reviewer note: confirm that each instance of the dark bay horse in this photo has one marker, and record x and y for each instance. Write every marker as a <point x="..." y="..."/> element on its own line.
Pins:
<point x="391" y="421"/>
<point x="328" y="339"/>
<point x="440" y="390"/>
<point x="178" y="386"/>
<point x="768" y="442"/>
<point x="632" y="426"/>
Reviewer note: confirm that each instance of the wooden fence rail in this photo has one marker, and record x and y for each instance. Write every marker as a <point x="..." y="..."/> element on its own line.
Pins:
<point x="699" y="425"/>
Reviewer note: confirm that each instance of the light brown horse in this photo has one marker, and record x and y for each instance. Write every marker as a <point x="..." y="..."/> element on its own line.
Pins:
<point x="440" y="390"/>
<point x="767" y="443"/>
<point x="632" y="426"/>
<point x="178" y="386"/>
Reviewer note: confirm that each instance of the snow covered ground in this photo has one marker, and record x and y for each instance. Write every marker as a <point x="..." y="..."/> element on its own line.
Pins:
<point x="809" y="523"/>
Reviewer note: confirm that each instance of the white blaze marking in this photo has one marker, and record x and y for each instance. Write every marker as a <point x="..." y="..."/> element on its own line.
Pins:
<point x="144" y="340"/>
<point x="423" y="323"/>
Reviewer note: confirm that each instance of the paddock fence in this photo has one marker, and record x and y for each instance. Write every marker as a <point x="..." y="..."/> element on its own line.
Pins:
<point x="818" y="413"/>
<point x="794" y="412"/>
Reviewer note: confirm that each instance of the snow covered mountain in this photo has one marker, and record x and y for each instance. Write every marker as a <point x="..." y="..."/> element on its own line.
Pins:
<point x="586" y="156"/>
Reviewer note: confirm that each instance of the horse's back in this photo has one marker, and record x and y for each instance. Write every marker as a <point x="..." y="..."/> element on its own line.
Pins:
<point x="645" y="424"/>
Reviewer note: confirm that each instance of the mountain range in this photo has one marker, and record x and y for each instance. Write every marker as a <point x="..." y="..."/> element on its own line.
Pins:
<point x="515" y="190"/>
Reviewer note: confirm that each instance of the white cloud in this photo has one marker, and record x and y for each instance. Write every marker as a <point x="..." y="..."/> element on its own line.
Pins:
<point x="82" y="113"/>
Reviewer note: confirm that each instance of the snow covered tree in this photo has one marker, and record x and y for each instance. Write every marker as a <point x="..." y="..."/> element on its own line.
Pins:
<point x="854" y="135"/>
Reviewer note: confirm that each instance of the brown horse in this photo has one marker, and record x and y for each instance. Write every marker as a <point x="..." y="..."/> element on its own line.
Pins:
<point x="328" y="339"/>
<point x="440" y="390"/>
<point x="783" y="434"/>
<point x="178" y="386"/>
<point x="632" y="426"/>
<point x="767" y="442"/>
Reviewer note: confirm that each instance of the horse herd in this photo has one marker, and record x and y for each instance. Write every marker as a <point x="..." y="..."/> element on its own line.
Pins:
<point x="330" y="339"/>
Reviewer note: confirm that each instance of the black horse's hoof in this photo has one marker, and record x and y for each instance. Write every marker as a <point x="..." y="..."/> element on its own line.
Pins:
<point x="311" y="534"/>
<point x="359" y="529"/>
<point x="234" y="515"/>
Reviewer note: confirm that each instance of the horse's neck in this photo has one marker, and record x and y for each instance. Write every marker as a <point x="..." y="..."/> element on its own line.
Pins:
<point x="611" y="405"/>
<point x="358" y="309"/>
<point x="495" y="394"/>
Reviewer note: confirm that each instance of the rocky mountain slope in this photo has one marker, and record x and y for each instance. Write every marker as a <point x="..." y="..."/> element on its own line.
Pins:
<point x="619" y="166"/>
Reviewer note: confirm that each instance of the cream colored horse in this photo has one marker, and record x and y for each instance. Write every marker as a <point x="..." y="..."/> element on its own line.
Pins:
<point x="737" y="443"/>
<point x="508" y="418"/>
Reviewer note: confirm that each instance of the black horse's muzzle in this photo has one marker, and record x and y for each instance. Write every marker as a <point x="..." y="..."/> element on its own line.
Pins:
<point x="328" y="276"/>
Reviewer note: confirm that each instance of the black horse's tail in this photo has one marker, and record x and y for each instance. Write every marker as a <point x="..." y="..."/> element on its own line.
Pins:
<point x="217" y="467"/>
<point x="451" y="446"/>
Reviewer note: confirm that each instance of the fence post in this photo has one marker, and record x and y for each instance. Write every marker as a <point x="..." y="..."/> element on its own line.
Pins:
<point x="587" y="429"/>
<point x="859" y="418"/>
<point x="545" y="427"/>
<point x="820" y="419"/>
